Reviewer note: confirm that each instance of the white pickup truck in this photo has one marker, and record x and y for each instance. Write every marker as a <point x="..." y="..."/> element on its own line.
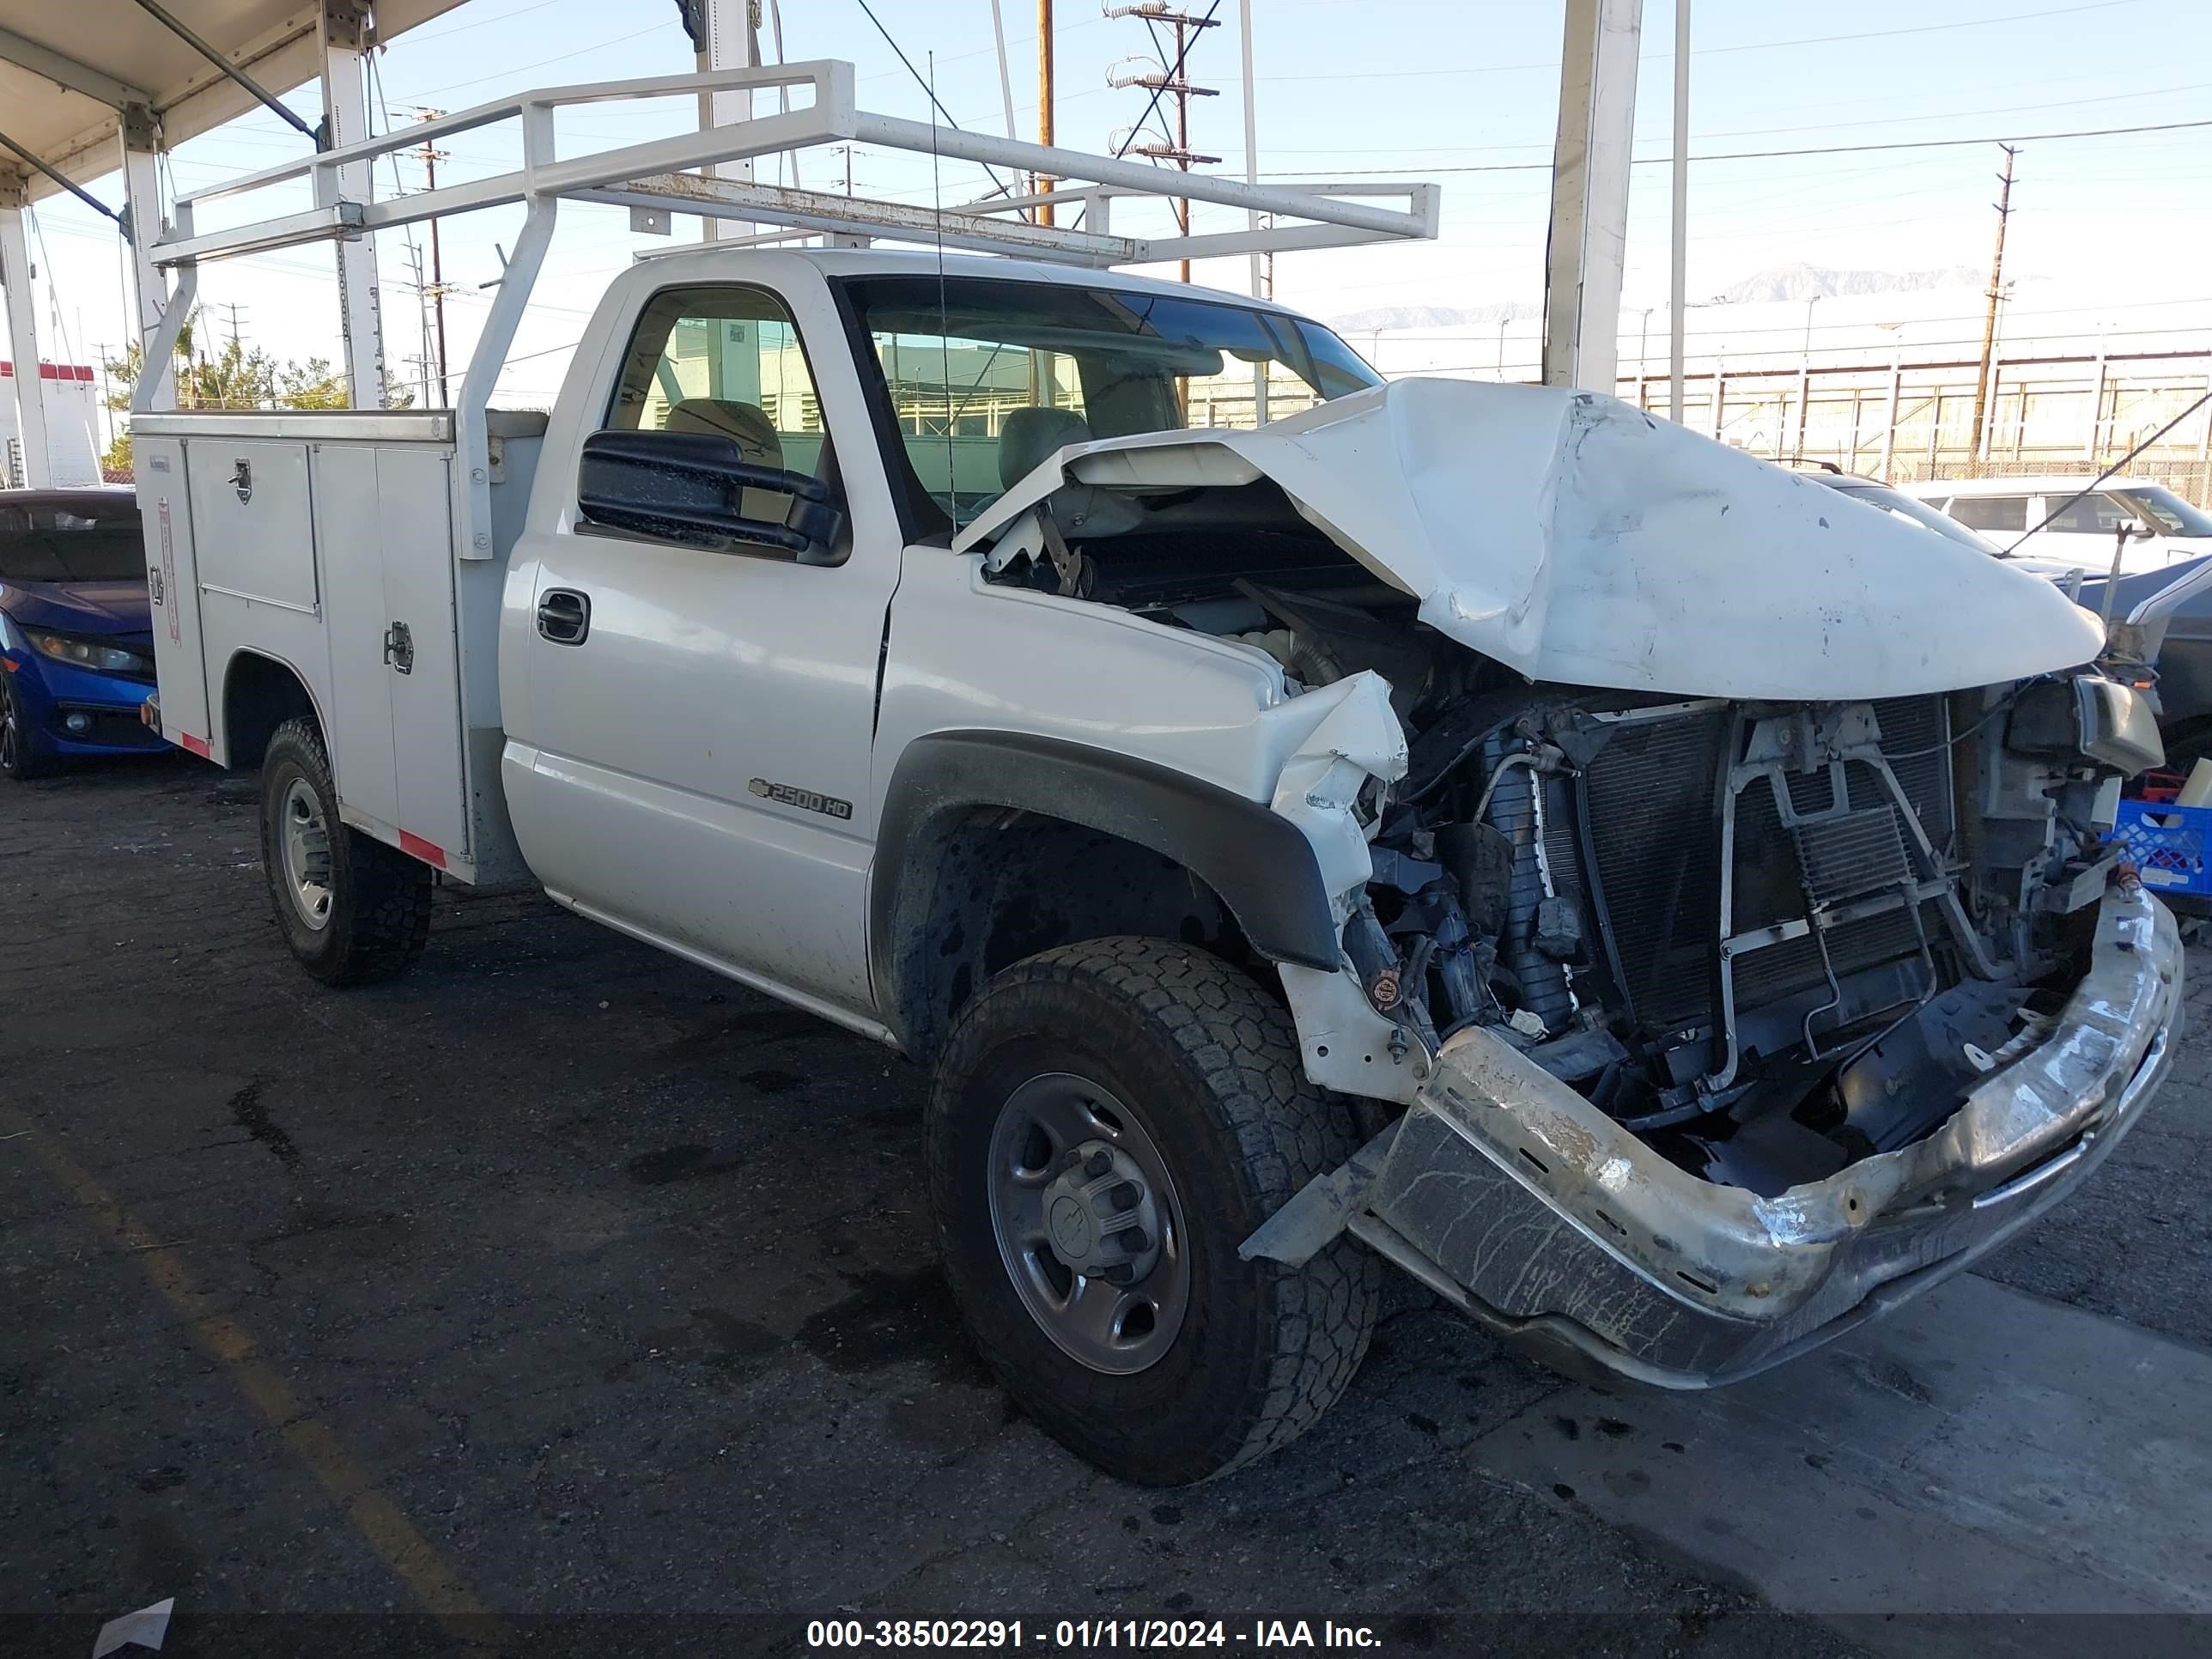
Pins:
<point x="1660" y="904"/>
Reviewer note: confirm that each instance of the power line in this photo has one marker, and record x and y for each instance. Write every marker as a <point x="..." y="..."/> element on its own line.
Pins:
<point x="2133" y="95"/>
<point x="2007" y="19"/>
<point x="417" y="37"/>
<point x="558" y="57"/>
<point x="919" y="81"/>
<point x="1763" y="154"/>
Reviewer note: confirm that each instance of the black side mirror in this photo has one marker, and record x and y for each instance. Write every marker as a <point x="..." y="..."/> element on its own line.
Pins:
<point x="690" y="487"/>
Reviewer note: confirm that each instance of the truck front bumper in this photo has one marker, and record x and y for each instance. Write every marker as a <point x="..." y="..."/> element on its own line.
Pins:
<point x="1527" y="1206"/>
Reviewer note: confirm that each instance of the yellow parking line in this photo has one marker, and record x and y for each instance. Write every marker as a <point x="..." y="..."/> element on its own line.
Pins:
<point x="378" y="1520"/>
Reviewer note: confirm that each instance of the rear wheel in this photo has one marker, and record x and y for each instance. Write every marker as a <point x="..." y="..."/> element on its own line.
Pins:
<point x="1109" y="1121"/>
<point x="353" y="909"/>
<point x="19" y="759"/>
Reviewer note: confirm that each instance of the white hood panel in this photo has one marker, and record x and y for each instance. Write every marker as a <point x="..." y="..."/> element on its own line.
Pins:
<point x="1577" y="540"/>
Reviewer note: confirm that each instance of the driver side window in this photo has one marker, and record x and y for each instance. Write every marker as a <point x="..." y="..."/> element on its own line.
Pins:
<point x="727" y="362"/>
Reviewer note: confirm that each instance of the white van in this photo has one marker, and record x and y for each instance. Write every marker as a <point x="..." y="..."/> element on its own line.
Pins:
<point x="2085" y="526"/>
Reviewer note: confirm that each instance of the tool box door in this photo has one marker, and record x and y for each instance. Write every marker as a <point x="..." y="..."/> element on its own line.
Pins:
<point x="350" y="532"/>
<point x="172" y="585"/>
<point x="425" y="683"/>
<point x="386" y="540"/>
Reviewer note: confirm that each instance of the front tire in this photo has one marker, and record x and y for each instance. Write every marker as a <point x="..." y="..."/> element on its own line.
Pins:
<point x="352" y="910"/>
<point x="19" y="759"/>
<point x="1109" y="1121"/>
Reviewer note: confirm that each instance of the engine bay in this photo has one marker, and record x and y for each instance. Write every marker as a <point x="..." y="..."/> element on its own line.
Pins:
<point x="1770" y="939"/>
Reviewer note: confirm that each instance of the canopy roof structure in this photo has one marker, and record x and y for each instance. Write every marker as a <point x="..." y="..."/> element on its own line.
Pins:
<point x="89" y="88"/>
<point x="67" y="70"/>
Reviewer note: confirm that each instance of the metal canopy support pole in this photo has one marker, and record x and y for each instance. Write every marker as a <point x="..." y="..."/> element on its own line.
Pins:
<point x="140" y="135"/>
<point x="1252" y="177"/>
<point x="345" y="113"/>
<point x="732" y="43"/>
<point x="1678" y="273"/>
<point x="1589" y="194"/>
<point x="22" y="331"/>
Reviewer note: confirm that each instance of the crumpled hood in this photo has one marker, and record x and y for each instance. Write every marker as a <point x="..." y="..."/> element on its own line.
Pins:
<point x="1575" y="539"/>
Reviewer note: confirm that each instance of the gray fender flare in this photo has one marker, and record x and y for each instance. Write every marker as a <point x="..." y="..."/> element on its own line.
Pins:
<point x="1259" y="863"/>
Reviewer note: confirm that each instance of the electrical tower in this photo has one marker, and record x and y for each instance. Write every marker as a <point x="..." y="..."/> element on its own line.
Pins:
<point x="1165" y="77"/>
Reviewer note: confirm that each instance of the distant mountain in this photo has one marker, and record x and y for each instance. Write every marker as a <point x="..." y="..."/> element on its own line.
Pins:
<point x="1798" y="281"/>
<point x="1390" y="318"/>
<point x="1803" y="282"/>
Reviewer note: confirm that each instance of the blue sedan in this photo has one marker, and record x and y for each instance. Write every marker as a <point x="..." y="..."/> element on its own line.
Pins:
<point x="77" y="645"/>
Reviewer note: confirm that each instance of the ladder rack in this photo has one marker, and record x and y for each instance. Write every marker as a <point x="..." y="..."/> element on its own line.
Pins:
<point x="656" y="173"/>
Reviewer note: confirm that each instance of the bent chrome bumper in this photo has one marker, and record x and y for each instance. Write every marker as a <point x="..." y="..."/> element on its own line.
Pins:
<point x="1527" y="1206"/>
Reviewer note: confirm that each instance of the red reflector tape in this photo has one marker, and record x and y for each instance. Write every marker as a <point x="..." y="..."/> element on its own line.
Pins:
<point x="197" y="745"/>
<point x="428" y="851"/>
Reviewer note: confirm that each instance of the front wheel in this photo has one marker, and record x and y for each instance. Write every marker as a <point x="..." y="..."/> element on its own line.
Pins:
<point x="1109" y="1121"/>
<point x="20" y="760"/>
<point x="352" y="910"/>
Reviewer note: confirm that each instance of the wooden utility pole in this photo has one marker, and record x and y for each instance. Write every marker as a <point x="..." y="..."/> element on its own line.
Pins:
<point x="1989" y="318"/>
<point x="430" y="156"/>
<point x="1182" y="131"/>
<point x="1045" y="181"/>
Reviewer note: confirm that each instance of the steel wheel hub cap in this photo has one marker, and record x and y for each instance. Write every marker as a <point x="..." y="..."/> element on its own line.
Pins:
<point x="1087" y="1224"/>
<point x="305" y="841"/>
<point x="1101" y="1217"/>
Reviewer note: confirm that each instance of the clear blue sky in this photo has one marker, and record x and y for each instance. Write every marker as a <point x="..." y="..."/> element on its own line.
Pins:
<point x="1449" y="90"/>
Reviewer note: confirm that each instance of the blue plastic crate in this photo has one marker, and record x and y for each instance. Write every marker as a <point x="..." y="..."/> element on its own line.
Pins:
<point x="2166" y="843"/>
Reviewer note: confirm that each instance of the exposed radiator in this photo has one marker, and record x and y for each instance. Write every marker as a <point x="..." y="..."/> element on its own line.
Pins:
<point x="1652" y="796"/>
<point x="1653" y="800"/>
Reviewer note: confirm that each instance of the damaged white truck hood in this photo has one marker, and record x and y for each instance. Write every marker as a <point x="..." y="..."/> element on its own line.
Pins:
<point x="1578" y="540"/>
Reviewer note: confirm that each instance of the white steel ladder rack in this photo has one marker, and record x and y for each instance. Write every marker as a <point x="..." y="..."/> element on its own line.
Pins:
<point x="656" y="172"/>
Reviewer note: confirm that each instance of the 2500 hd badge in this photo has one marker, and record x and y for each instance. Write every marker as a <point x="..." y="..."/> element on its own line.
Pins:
<point x="804" y="799"/>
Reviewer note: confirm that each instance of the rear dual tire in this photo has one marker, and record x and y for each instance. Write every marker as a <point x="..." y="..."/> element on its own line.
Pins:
<point x="352" y="910"/>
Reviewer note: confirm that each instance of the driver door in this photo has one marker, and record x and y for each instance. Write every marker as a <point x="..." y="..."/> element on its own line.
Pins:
<point x="699" y="714"/>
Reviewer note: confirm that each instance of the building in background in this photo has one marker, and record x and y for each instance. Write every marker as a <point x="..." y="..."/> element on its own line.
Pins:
<point x="71" y="396"/>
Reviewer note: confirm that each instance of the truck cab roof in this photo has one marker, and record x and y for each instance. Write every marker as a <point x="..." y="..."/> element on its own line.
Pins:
<point x="920" y="262"/>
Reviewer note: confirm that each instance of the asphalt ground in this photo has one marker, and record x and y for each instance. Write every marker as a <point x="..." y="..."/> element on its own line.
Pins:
<point x="561" y="1296"/>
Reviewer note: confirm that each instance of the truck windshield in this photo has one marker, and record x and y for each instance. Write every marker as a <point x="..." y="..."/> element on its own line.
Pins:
<point x="985" y="377"/>
<point x="87" y="540"/>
